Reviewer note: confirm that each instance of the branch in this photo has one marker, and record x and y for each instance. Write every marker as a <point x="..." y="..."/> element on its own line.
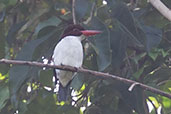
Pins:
<point x="73" y="12"/>
<point x="91" y="13"/>
<point x="82" y="70"/>
<point x="166" y="12"/>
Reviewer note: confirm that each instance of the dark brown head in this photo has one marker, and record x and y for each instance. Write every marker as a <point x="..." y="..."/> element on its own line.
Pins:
<point x="73" y="30"/>
<point x="78" y="30"/>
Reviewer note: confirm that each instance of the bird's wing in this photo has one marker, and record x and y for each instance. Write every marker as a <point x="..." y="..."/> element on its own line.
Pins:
<point x="65" y="55"/>
<point x="68" y="52"/>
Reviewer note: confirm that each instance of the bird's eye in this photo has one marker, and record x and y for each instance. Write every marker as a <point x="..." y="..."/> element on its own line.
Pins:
<point x="75" y="29"/>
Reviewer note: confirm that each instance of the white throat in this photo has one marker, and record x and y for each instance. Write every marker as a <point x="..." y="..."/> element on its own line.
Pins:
<point x="80" y="38"/>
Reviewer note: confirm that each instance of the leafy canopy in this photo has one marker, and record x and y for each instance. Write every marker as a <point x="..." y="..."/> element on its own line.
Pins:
<point x="135" y="44"/>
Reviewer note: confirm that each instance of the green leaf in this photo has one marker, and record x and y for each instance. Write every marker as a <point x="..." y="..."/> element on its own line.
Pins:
<point x="166" y="102"/>
<point x="139" y="72"/>
<point x="101" y="43"/>
<point x="154" y="54"/>
<point x="4" y="95"/>
<point x="46" y="48"/>
<point x="2" y="14"/>
<point x="126" y="22"/>
<point x="165" y="53"/>
<point x="93" y="110"/>
<point x="81" y="8"/>
<point x="103" y="13"/>
<point x="43" y="103"/>
<point x="46" y="77"/>
<point x="13" y="31"/>
<point x="167" y="88"/>
<point x="3" y="67"/>
<point x="19" y="74"/>
<point x="153" y="37"/>
<point x="22" y="107"/>
<point x="134" y="39"/>
<point x="118" y="45"/>
<point x="2" y="42"/>
<point x="154" y="100"/>
<point x="52" y="21"/>
<point x="133" y="99"/>
<point x="33" y="17"/>
<point x="12" y="2"/>
<point x="138" y="57"/>
<point x="2" y="6"/>
<point x="9" y="2"/>
<point x="159" y="75"/>
<point x="77" y="82"/>
<point x="68" y="109"/>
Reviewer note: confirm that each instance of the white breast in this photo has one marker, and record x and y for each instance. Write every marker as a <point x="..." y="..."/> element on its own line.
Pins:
<point x="68" y="51"/>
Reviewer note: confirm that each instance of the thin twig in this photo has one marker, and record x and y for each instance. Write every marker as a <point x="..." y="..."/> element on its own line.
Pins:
<point x="82" y="70"/>
<point x="129" y="63"/>
<point x="73" y="12"/>
<point x="91" y="13"/>
<point x="83" y="94"/>
<point x="132" y="86"/>
<point x="166" y="12"/>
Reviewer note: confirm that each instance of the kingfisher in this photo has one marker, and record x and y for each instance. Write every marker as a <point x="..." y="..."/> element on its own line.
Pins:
<point x="69" y="51"/>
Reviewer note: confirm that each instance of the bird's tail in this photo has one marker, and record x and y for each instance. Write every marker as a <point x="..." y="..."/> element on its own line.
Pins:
<point x="64" y="92"/>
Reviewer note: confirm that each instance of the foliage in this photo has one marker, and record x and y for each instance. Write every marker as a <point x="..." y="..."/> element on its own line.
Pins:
<point x="135" y="44"/>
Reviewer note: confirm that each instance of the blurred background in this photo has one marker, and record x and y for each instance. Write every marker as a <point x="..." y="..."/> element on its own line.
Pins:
<point x="135" y="44"/>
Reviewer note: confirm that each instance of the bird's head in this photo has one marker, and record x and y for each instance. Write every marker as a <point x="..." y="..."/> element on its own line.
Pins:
<point x="78" y="30"/>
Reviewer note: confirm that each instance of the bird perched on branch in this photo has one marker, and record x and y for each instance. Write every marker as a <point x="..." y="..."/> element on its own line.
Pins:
<point x="69" y="51"/>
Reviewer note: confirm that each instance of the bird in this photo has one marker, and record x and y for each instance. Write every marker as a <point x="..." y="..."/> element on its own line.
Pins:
<point x="69" y="51"/>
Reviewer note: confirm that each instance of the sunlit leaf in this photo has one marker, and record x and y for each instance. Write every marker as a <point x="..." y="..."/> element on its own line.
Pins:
<point x="166" y="102"/>
<point x="155" y="102"/>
